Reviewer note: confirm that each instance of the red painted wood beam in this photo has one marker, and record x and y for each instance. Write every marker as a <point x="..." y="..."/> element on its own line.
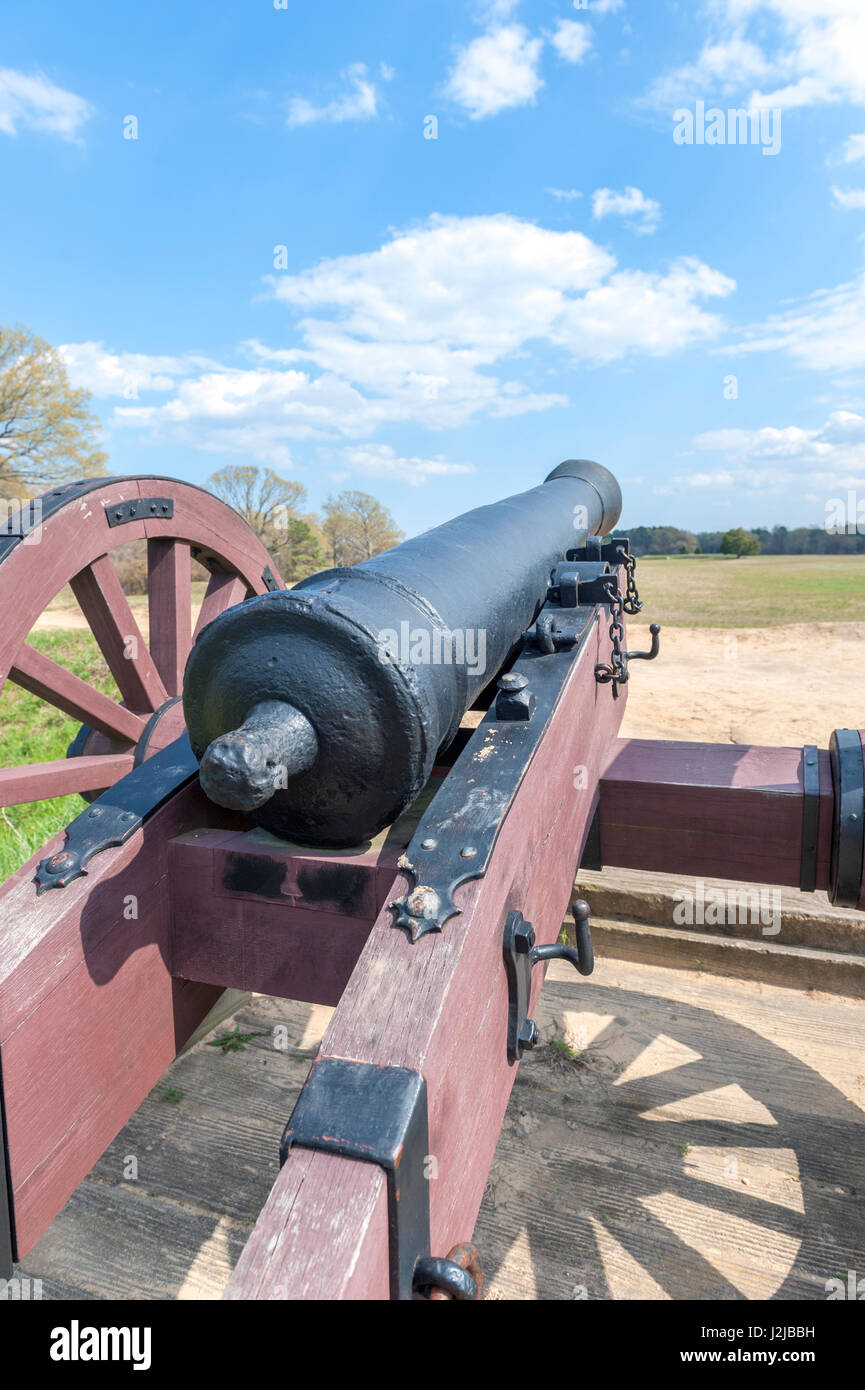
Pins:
<point x="90" y="1015"/>
<point x="223" y="591"/>
<point x="713" y="810"/>
<point x="34" y="671"/>
<point x="440" y="1006"/>
<point x="273" y="918"/>
<point x="113" y="624"/>
<point x="39" y="781"/>
<point x="168" y="591"/>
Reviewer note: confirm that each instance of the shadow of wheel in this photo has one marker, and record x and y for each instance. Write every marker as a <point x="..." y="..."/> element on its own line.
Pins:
<point x="683" y="1156"/>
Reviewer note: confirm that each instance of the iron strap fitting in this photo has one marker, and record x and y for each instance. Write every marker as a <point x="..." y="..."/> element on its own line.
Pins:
<point x="115" y="815"/>
<point x="454" y="840"/>
<point x="139" y="508"/>
<point x="848" y="829"/>
<point x="810" y="817"/>
<point x="378" y="1114"/>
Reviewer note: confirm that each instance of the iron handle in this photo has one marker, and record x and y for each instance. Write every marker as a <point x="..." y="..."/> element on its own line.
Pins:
<point x="655" y="629"/>
<point x="521" y="955"/>
<point x="581" y="956"/>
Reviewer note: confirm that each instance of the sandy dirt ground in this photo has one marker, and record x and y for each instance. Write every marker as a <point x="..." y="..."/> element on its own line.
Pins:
<point x="783" y="686"/>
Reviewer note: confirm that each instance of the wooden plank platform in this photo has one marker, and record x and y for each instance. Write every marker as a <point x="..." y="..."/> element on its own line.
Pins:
<point x="678" y="1135"/>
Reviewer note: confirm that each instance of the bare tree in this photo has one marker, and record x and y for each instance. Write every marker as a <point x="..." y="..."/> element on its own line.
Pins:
<point x="358" y="526"/>
<point x="47" y="431"/>
<point x="272" y="506"/>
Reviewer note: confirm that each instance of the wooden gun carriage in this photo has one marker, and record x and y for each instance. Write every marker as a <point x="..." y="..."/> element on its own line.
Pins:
<point x="322" y="810"/>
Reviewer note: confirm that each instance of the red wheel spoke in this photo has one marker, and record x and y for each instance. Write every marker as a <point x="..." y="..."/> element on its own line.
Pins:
<point x="52" y="682"/>
<point x="223" y="591"/>
<point x="40" y="781"/>
<point x="113" y="624"/>
<point x="169" y="599"/>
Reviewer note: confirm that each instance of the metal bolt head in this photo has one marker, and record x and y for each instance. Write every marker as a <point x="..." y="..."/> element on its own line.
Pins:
<point x="58" y="862"/>
<point x="429" y="843"/>
<point x="524" y="938"/>
<point x="468" y="852"/>
<point x="529" y="1034"/>
<point x="513" y="681"/>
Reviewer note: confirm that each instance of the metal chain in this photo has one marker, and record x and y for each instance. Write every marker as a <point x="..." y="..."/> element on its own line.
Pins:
<point x="632" y="602"/>
<point x="617" y="671"/>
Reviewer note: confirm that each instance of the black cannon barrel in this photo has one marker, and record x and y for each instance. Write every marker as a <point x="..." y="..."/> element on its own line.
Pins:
<point x="320" y="710"/>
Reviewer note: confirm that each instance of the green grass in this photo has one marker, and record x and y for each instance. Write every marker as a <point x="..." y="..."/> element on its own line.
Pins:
<point x="34" y="732"/>
<point x="756" y="591"/>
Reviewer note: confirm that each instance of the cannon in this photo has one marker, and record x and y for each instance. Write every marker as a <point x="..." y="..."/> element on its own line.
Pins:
<point x="320" y="711"/>
<point x="372" y="791"/>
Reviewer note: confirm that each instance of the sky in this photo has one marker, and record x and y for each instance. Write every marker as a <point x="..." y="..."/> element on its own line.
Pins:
<point x="429" y="249"/>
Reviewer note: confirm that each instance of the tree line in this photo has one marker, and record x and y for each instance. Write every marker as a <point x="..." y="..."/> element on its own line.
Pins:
<point x="780" y="540"/>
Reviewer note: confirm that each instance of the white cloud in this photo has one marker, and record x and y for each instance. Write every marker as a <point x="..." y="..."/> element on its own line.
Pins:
<point x="830" y="456"/>
<point x="572" y="40"/>
<point x="497" y="70"/>
<point x="848" y="198"/>
<point x="358" y="103"/>
<point x="381" y="461"/>
<point x="32" y="102"/>
<point x="632" y="203"/>
<point x="825" y="332"/>
<point x="854" y="149"/>
<point x="814" y="54"/>
<point x="605" y="6"/>
<point x="450" y="321"/>
<point x="642" y="311"/>
<point x="443" y="299"/>
<point x="106" y="373"/>
<point x="499" y="9"/>
<point x="564" y="194"/>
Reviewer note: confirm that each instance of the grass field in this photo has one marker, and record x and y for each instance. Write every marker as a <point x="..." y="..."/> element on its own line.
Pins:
<point x="34" y="732"/>
<point x="756" y="591"/>
<point x="679" y="592"/>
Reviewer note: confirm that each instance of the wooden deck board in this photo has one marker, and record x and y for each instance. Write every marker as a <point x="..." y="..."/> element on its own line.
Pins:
<point x="708" y="1143"/>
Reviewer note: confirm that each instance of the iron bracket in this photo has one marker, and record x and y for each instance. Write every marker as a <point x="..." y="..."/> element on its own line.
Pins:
<point x="848" y="830"/>
<point x="118" y="813"/>
<point x="377" y="1114"/>
<point x="598" y="549"/>
<point x="149" y="508"/>
<point x="7" y="1219"/>
<point x="810" y="817"/>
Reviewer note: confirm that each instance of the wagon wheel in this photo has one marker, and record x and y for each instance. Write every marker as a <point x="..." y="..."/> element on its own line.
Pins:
<point x="69" y="541"/>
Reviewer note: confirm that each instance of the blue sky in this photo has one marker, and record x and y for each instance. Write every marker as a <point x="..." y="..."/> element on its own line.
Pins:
<point x="283" y="268"/>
